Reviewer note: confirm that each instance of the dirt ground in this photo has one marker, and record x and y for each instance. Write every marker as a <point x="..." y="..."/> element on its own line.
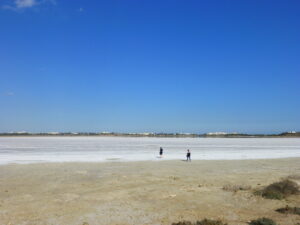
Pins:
<point x="139" y="193"/>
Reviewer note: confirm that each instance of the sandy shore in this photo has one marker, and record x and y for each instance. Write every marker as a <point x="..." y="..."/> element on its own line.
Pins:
<point x="141" y="192"/>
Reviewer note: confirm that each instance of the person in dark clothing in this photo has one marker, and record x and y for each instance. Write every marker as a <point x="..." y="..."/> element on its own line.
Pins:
<point x="161" y="151"/>
<point x="188" y="156"/>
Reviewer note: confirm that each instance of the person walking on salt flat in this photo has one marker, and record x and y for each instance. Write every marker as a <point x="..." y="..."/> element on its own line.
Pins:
<point x="161" y="151"/>
<point x="188" y="156"/>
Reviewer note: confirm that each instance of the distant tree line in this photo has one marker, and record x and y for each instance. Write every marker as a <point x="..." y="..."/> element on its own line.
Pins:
<point x="117" y="134"/>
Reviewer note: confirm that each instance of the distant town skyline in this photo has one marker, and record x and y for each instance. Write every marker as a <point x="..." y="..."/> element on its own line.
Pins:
<point x="149" y="66"/>
<point x="289" y="134"/>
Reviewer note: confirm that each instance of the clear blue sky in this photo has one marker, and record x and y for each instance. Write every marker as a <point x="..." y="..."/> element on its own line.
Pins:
<point x="150" y="65"/>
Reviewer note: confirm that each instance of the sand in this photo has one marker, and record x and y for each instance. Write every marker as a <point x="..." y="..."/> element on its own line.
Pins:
<point x="142" y="192"/>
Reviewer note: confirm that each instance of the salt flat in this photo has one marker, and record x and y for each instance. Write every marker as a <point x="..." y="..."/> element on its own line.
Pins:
<point x="101" y="149"/>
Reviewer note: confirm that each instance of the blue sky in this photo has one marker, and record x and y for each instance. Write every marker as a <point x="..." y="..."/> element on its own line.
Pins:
<point x="150" y="65"/>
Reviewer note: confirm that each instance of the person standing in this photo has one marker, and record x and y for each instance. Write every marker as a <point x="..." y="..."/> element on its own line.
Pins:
<point x="161" y="151"/>
<point x="188" y="156"/>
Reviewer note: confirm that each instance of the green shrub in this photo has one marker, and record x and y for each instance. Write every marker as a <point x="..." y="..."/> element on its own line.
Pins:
<point x="258" y="192"/>
<point x="183" y="223"/>
<point x="289" y="210"/>
<point x="202" y="222"/>
<point x="272" y="195"/>
<point x="262" y="221"/>
<point x="209" y="222"/>
<point x="281" y="189"/>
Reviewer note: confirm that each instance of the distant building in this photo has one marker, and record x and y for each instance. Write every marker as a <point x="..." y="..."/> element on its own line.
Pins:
<point x="53" y="133"/>
<point x="216" y="133"/>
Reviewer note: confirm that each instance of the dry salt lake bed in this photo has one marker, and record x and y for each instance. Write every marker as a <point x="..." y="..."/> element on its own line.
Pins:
<point x="101" y="149"/>
<point x="115" y="180"/>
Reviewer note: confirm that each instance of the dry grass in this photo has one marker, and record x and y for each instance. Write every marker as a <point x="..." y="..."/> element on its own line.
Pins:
<point x="235" y="188"/>
<point x="294" y="177"/>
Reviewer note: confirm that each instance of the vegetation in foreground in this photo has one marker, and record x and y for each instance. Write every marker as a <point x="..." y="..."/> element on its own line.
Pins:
<point x="294" y="177"/>
<point x="289" y="210"/>
<point x="262" y="221"/>
<point x="235" y="188"/>
<point x="279" y="190"/>
<point x="202" y="222"/>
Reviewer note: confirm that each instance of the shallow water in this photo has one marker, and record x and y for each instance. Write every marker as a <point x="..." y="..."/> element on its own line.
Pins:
<point x="99" y="149"/>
